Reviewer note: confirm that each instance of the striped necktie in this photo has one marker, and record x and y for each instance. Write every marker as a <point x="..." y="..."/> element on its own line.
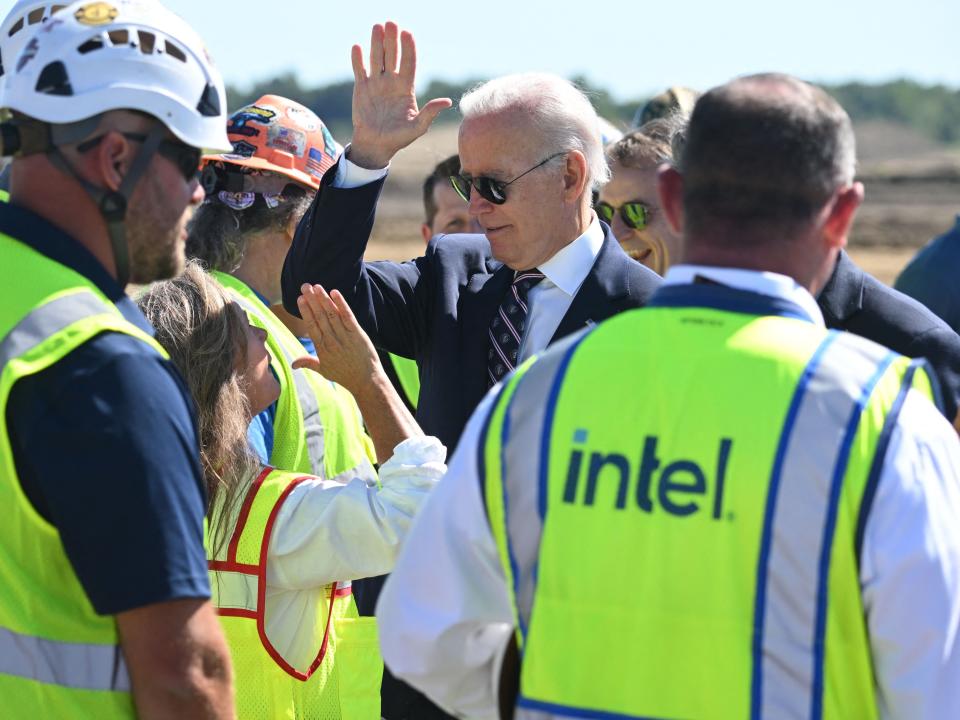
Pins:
<point x="506" y="330"/>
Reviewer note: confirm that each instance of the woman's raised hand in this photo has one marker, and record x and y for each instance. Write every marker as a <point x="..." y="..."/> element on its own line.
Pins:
<point x="344" y="352"/>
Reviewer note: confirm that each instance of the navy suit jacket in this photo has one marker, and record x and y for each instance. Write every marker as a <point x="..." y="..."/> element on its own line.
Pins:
<point x="437" y="309"/>
<point x="857" y="302"/>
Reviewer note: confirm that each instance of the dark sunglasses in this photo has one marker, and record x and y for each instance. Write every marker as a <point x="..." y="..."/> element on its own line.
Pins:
<point x="492" y="190"/>
<point x="185" y="157"/>
<point x="635" y="215"/>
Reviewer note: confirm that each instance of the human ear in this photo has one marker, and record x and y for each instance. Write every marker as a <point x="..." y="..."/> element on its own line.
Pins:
<point x="839" y="219"/>
<point x="112" y="157"/>
<point x="574" y="175"/>
<point x="670" y="191"/>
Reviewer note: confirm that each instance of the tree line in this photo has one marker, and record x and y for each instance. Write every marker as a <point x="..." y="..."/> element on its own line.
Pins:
<point x="933" y="110"/>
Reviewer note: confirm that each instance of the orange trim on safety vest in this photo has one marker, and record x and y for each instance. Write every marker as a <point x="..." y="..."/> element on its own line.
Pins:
<point x="237" y="612"/>
<point x="260" y="571"/>
<point x="261" y="596"/>
<point x="228" y="566"/>
<point x="244" y="514"/>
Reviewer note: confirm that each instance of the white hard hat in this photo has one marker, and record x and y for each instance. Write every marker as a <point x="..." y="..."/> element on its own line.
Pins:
<point x="93" y="57"/>
<point x="18" y="27"/>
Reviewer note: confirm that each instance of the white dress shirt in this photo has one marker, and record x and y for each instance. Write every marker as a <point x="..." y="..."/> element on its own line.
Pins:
<point x="445" y="616"/>
<point x="549" y="299"/>
<point x="327" y="531"/>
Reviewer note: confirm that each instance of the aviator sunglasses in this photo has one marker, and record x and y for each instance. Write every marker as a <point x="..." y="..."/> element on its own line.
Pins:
<point x="490" y="189"/>
<point x="634" y="214"/>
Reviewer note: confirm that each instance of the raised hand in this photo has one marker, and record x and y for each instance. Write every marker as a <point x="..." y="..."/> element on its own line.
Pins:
<point x="385" y="113"/>
<point x="344" y="352"/>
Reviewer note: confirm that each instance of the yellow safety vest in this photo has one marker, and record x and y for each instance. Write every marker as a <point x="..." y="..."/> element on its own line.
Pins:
<point x="408" y="373"/>
<point x="334" y="670"/>
<point x="318" y="428"/>
<point x="678" y="498"/>
<point x="58" y="658"/>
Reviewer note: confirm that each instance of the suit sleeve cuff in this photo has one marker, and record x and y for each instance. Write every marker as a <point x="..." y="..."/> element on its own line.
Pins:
<point x="350" y="175"/>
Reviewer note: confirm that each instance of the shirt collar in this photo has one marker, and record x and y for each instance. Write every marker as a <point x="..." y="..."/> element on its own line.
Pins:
<point x="763" y="283"/>
<point x="569" y="267"/>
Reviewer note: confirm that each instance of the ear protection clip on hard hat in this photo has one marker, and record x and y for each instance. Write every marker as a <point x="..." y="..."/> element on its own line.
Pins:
<point x="22" y="136"/>
<point x="9" y="139"/>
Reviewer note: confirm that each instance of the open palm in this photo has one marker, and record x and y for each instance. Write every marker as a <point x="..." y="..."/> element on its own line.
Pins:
<point x="386" y="117"/>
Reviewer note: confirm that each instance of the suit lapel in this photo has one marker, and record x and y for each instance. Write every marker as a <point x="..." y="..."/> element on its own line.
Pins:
<point x="842" y="296"/>
<point x="602" y="292"/>
<point x="478" y="303"/>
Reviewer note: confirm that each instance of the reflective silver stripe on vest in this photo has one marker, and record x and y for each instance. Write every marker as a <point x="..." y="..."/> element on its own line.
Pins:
<point x="232" y="590"/>
<point x="312" y="426"/>
<point x="525" y="423"/>
<point x="81" y="666"/>
<point x="798" y="529"/>
<point x="49" y="319"/>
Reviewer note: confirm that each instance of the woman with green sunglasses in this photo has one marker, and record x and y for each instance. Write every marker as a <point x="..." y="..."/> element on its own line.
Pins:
<point x="629" y="202"/>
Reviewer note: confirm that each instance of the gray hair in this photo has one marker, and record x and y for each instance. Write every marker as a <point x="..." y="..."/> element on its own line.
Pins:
<point x="563" y="116"/>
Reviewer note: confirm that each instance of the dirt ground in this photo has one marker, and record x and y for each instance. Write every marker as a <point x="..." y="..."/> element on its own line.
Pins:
<point x="912" y="194"/>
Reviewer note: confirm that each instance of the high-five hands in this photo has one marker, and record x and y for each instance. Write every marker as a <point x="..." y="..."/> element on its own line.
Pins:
<point x="385" y="113"/>
<point x="344" y="352"/>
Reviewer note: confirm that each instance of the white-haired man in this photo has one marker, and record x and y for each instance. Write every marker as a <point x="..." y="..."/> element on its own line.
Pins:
<point x="620" y="535"/>
<point x="530" y="154"/>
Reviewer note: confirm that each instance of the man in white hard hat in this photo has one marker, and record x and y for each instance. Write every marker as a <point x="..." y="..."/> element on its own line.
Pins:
<point x="21" y="22"/>
<point x="24" y="19"/>
<point x="104" y="594"/>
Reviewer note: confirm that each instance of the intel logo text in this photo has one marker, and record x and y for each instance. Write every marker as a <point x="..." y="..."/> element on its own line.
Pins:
<point x="681" y="487"/>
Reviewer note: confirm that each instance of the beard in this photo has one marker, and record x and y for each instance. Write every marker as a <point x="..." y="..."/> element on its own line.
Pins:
<point x="155" y="235"/>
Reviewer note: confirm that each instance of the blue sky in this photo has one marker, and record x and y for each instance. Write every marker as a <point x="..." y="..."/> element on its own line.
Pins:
<point x="633" y="48"/>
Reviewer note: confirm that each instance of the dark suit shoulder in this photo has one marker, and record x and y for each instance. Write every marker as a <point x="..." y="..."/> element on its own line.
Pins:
<point x="857" y="302"/>
<point x="643" y="281"/>
<point x="901" y="322"/>
<point x="620" y="275"/>
<point x="465" y="250"/>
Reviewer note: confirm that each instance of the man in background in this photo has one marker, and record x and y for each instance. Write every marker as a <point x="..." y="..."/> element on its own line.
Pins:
<point x="445" y="212"/>
<point x="931" y="276"/>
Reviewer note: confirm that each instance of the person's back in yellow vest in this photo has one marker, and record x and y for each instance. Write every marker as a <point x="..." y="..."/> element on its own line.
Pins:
<point x="284" y="545"/>
<point x="732" y="530"/>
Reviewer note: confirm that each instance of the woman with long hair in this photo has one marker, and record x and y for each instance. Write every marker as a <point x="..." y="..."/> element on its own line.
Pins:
<point x="282" y="547"/>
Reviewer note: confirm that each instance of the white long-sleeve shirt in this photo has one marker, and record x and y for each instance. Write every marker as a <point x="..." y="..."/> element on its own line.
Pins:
<point x="328" y="531"/>
<point x="445" y="616"/>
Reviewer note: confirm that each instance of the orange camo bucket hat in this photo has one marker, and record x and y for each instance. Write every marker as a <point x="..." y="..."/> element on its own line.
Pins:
<point x="281" y="136"/>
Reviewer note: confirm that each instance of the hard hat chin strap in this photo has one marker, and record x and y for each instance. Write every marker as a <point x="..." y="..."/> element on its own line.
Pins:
<point x="113" y="203"/>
